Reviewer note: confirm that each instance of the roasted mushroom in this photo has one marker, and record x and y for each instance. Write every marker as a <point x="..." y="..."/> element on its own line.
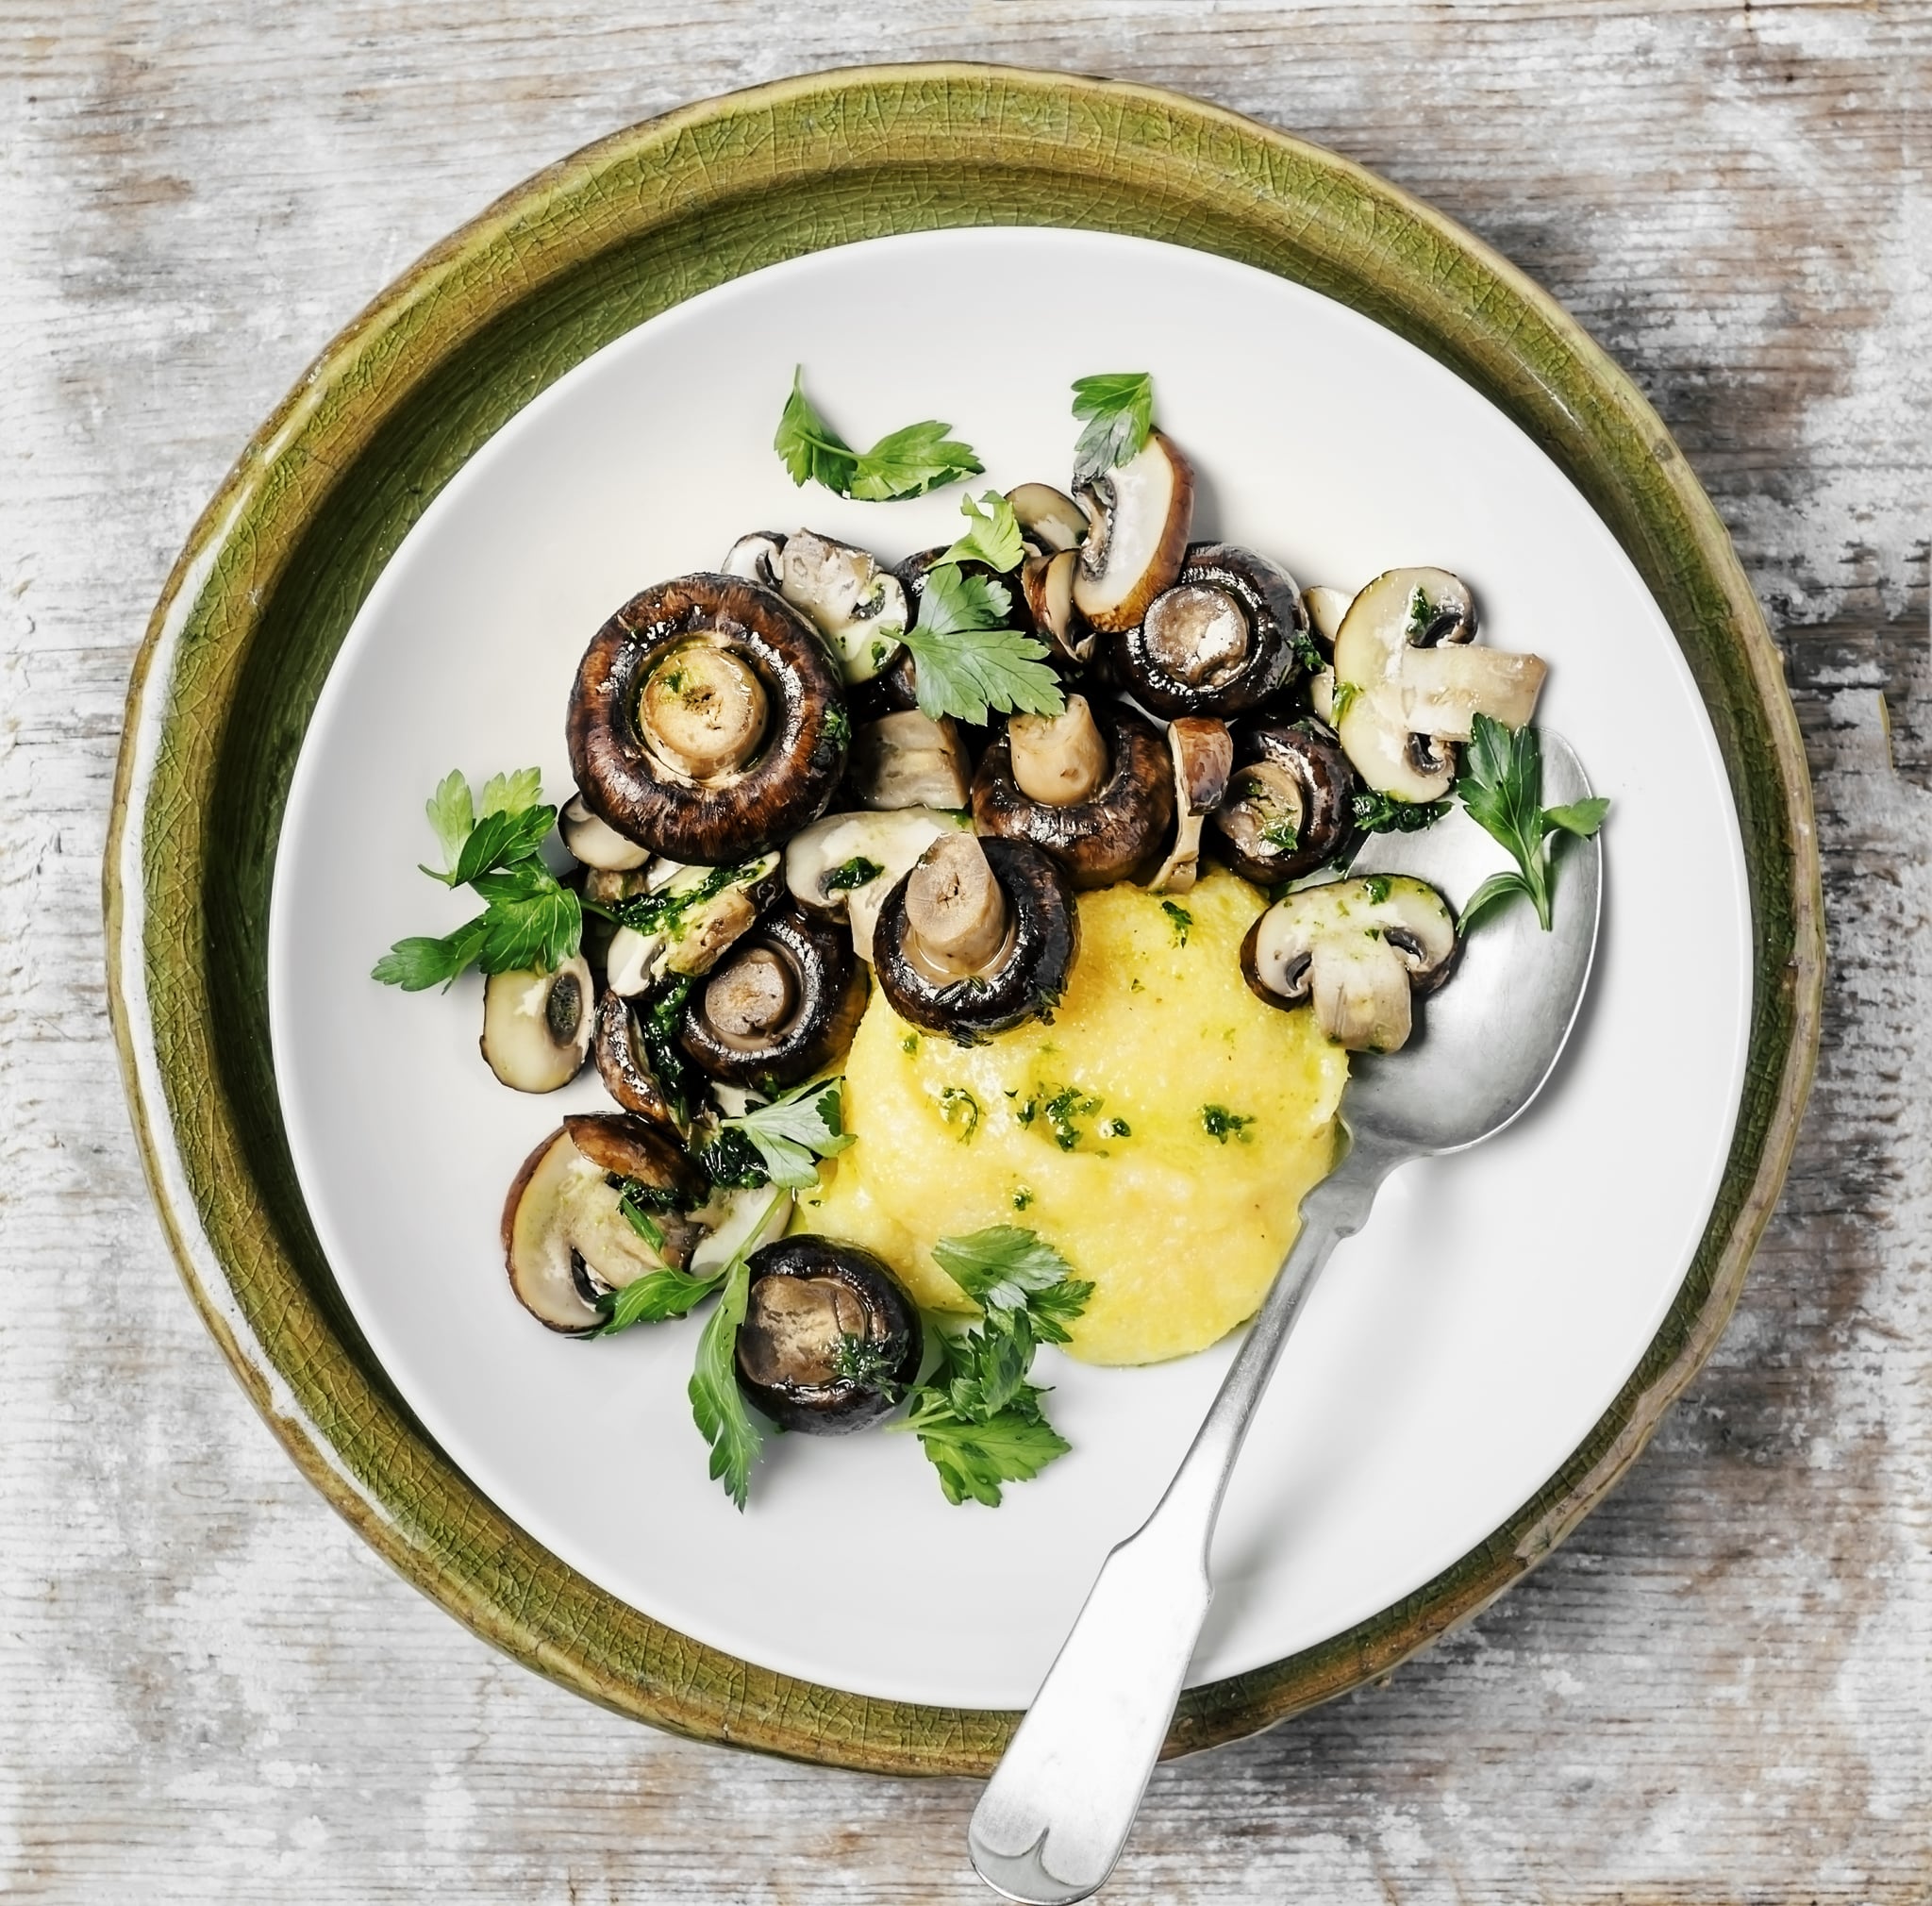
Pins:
<point x="1047" y="583"/>
<point x="626" y="1066"/>
<point x="757" y="558"/>
<point x="1048" y="518"/>
<point x="859" y="606"/>
<point x="565" y="1240"/>
<point x="783" y="1005"/>
<point x="1289" y="806"/>
<point x="1094" y="788"/>
<point x="829" y="1342"/>
<point x="909" y="759"/>
<point x="848" y="863"/>
<point x="978" y="937"/>
<point x="1325" y="608"/>
<point x="1227" y="636"/>
<point x="1358" y="949"/>
<point x="537" y="1025"/>
<point x="708" y="721"/>
<point x="687" y="918"/>
<point x="595" y="843"/>
<point x="1410" y="680"/>
<point x="1203" y="753"/>
<point x="1139" y="514"/>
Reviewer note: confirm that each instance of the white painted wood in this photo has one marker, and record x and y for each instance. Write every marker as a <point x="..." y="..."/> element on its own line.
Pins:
<point x="1720" y="1688"/>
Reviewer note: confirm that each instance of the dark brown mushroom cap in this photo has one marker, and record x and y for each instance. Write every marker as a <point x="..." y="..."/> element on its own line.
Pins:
<point x="1028" y="975"/>
<point x="829" y="1342"/>
<point x="1279" y="766"/>
<point x="624" y="1065"/>
<point x="730" y="816"/>
<point x="1118" y="832"/>
<point x="780" y="1006"/>
<point x="629" y="1147"/>
<point x="1224" y="679"/>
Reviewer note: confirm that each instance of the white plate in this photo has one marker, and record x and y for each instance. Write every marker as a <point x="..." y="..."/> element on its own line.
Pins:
<point x="1456" y="1353"/>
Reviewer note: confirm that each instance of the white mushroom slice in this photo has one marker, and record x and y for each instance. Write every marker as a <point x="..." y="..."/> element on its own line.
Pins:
<point x="1404" y="612"/>
<point x="595" y="842"/>
<point x="537" y="1025"/>
<point x="1047" y="583"/>
<point x="1139" y="515"/>
<point x="1358" y="949"/>
<point x="698" y="913"/>
<point x="757" y="558"/>
<point x="1203" y="751"/>
<point x="739" y="1220"/>
<point x="565" y="1239"/>
<point x="1057" y="760"/>
<point x="1444" y="689"/>
<point x="858" y="607"/>
<point x="911" y="760"/>
<point x="1326" y="607"/>
<point x="1048" y="518"/>
<point x="849" y="863"/>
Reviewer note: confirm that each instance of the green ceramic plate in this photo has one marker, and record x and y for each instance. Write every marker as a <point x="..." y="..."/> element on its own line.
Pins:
<point x="284" y="558"/>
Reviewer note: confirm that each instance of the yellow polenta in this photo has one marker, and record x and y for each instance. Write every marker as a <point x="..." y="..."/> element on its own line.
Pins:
<point x="1160" y="1133"/>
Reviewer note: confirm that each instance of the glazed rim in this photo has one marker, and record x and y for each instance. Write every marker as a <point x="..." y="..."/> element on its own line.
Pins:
<point x="274" y="572"/>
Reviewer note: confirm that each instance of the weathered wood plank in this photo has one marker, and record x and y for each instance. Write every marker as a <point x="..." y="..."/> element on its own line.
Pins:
<point x="1720" y="1688"/>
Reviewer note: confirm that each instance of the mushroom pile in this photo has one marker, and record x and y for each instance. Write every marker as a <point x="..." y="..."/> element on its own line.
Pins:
<point x="809" y="771"/>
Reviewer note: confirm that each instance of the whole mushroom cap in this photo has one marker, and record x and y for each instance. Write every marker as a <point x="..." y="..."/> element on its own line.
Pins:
<point x="1230" y="633"/>
<point x="789" y="768"/>
<point x="1289" y="806"/>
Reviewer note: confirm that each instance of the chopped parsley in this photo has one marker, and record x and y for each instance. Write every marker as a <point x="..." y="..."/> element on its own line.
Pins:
<point x="857" y="872"/>
<point x="1064" y="1108"/>
<point x="1179" y="919"/>
<point x="959" y="1110"/>
<point x="1221" y="1124"/>
<point x="1378" y="813"/>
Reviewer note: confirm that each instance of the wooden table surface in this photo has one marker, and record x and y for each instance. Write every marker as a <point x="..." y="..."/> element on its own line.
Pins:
<point x="1720" y="1688"/>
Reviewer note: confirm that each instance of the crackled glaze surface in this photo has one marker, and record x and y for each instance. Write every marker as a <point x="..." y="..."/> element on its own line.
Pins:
<point x="1744" y="1608"/>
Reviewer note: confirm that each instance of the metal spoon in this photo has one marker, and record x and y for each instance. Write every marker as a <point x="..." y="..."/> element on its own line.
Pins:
<point x="1056" y="1812"/>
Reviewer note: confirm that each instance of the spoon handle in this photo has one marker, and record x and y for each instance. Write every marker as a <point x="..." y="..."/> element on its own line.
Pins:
<point x="1057" y="1810"/>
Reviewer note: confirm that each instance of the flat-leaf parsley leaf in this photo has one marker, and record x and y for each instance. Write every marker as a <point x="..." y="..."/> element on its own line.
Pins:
<point x="967" y="662"/>
<point x="1118" y="410"/>
<point x="906" y="462"/>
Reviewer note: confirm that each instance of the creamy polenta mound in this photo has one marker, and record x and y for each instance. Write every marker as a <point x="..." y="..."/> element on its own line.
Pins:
<point x="1160" y="1133"/>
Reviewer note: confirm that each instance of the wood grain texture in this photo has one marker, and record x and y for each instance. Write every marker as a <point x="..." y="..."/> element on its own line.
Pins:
<point x="1720" y="1688"/>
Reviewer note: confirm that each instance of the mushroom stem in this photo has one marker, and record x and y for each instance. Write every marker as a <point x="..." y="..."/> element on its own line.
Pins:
<point x="954" y="907"/>
<point x="1058" y="758"/>
<point x="703" y="709"/>
<point x="751" y="996"/>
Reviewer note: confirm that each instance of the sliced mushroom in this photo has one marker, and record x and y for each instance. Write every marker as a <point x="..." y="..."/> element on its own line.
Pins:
<point x="857" y="606"/>
<point x="1358" y="949"/>
<point x="848" y="863"/>
<point x="1325" y="606"/>
<point x="1139" y="514"/>
<point x="1117" y="831"/>
<point x="1227" y="636"/>
<point x="1048" y="518"/>
<point x="688" y="917"/>
<point x="1398" y="707"/>
<point x="565" y="1240"/>
<point x="624" y="1063"/>
<point x="595" y="842"/>
<point x="979" y="937"/>
<point x="1047" y="583"/>
<point x="738" y="1219"/>
<point x="537" y="1025"/>
<point x="1203" y="752"/>
<point x="783" y="1005"/>
<point x="829" y="1342"/>
<point x="757" y="558"/>
<point x="708" y="722"/>
<point x="909" y="760"/>
<point x="1291" y="803"/>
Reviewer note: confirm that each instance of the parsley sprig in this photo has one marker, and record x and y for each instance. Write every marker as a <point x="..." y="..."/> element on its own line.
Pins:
<point x="794" y="1130"/>
<point x="528" y="920"/>
<point x="904" y="463"/>
<point x="993" y="535"/>
<point x="967" y="662"/>
<point x="1502" y="786"/>
<point x="1118" y="410"/>
<point x="976" y="1417"/>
